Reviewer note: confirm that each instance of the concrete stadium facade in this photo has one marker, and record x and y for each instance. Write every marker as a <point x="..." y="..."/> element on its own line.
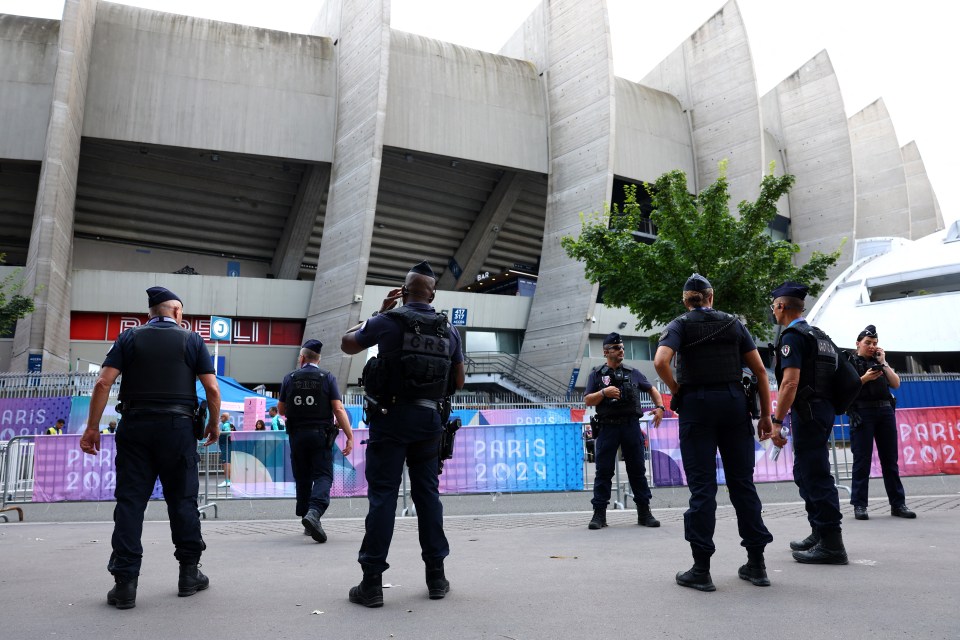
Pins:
<point x="302" y="174"/>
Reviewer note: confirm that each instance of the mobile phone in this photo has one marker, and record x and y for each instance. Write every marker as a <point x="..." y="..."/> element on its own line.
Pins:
<point x="876" y="367"/>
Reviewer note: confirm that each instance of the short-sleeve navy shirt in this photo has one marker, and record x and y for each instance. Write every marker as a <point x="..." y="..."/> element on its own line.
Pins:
<point x="197" y="356"/>
<point x="329" y="382"/>
<point x="675" y="333"/>
<point x="388" y="334"/>
<point x="594" y="383"/>
<point x="790" y="348"/>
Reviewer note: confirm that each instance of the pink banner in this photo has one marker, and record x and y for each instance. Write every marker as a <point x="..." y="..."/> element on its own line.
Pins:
<point x="929" y="442"/>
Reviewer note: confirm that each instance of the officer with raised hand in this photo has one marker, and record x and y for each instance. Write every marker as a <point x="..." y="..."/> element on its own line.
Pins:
<point x="614" y="388"/>
<point x="711" y="347"/>
<point x="872" y="418"/>
<point x="806" y="395"/>
<point x="419" y="362"/>
<point x="160" y="363"/>
<point x="310" y="401"/>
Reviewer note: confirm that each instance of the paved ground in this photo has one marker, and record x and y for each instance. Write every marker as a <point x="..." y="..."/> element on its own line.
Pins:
<point x="522" y="567"/>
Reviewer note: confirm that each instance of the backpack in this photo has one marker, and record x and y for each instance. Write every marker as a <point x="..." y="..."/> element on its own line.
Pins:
<point x="844" y="381"/>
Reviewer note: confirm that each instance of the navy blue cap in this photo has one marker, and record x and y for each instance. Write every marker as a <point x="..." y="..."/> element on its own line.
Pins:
<point x="313" y="345"/>
<point x="790" y="289"/>
<point x="613" y="338"/>
<point x="158" y="295"/>
<point x="423" y="269"/>
<point x="697" y="282"/>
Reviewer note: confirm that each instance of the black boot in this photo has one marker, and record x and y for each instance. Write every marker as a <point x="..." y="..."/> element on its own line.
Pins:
<point x="755" y="570"/>
<point x="191" y="580"/>
<point x="644" y="517"/>
<point x="369" y="592"/>
<point x="124" y="593"/>
<point x="437" y="584"/>
<point x="698" y="576"/>
<point x="599" y="520"/>
<point x="807" y="543"/>
<point x="829" y="550"/>
<point x="311" y="523"/>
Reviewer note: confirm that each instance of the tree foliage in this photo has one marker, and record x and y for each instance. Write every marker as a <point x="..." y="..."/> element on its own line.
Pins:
<point x="13" y="304"/>
<point x="694" y="234"/>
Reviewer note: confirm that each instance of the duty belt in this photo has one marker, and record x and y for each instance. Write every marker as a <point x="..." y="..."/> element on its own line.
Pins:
<point x="869" y="404"/>
<point x="617" y="420"/>
<point x="134" y="408"/>
<point x="420" y="402"/>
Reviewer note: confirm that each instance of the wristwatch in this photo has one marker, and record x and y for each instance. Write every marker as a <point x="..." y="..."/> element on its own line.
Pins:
<point x="661" y="407"/>
<point x="776" y="421"/>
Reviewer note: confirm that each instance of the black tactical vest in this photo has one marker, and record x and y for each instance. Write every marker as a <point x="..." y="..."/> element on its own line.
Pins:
<point x="819" y="362"/>
<point x="307" y="402"/>
<point x="710" y="353"/>
<point x="420" y="369"/>
<point x="627" y="406"/>
<point x="157" y="370"/>
<point x="878" y="389"/>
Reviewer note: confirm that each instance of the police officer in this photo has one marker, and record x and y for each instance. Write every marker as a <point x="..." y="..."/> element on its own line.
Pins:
<point x="806" y="395"/>
<point x="160" y="363"/>
<point x="310" y="401"/>
<point x="711" y="347"/>
<point x="614" y="388"/>
<point x="420" y="362"/>
<point x="872" y="418"/>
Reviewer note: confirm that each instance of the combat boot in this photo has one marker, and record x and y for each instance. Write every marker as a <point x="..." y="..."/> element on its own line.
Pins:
<point x="311" y="523"/>
<point x="829" y="550"/>
<point x="644" y="517"/>
<point x="698" y="576"/>
<point x="807" y="543"/>
<point x="437" y="584"/>
<point x="124" y="593"/>
<point x="755" y="570"/>
<point x="599" y="520"/>
<point x="369" y="592"/>
<point x="191" y="580"/>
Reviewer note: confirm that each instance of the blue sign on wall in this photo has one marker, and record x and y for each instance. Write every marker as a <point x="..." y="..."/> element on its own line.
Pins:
<point x="34" y="362"/>
<point x="233" y="269"/>
<point x="459" y="317"/>
<point x="220" y="329"/>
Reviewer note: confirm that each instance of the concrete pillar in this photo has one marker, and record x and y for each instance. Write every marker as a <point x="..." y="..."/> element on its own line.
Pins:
<point x="46" y="332"/>
<point x="361" y="29"/>
<point x="569" y="41"/>
<point x="925" y="214"/>
<point x="303" y="216"/>
<point x="479" y="240"/>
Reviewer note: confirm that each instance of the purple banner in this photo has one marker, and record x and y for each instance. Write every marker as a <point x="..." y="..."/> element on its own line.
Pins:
<point x="31" y="416"/>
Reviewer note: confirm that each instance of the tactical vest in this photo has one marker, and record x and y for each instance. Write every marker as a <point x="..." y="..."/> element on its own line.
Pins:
<point x="420" y="369"/>
<point x="157" y="369"/>
<point x="878" y="389"/>
<point x="819" y="361"/>
<point x="308" y="403"/>
<point x="710" y="353"/>
<point x="627" y="405"/>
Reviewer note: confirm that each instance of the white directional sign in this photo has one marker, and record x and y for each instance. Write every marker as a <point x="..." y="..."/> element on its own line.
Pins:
<point x="220" y="329"/>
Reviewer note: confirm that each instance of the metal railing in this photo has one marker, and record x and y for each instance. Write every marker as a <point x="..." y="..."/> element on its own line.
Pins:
<point x="48" y="385"/>
<point x="515" y="370"/>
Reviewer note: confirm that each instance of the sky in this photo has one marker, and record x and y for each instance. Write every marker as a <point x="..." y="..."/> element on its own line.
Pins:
<point x="903" y="52"/>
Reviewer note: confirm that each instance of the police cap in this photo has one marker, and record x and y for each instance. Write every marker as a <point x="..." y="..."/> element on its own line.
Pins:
<point x="697" y="282"/>
<point x="158" y="295"/>
<point x="423" y="269"/>
<point x="313" y="345"/>
<point x="790" y="289"/>
<point x="612" y="338"/>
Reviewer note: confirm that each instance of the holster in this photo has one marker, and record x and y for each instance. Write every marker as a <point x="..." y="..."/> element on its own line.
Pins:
<point x="855" y="419"/>
<point x="447" y="440"/>
<point x="801" y="404"/>
<point x="676" y="401"/>
<point x="331" y="432"/>
<point x="595" y="426"/>
<point x="200" y="420"/>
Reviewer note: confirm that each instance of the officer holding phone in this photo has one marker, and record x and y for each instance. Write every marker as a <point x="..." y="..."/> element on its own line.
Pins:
<point x="872" y="418"/>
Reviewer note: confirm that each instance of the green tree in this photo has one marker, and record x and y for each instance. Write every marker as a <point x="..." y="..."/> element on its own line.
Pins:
<point x="13" y="304"/>
<point x="694" y="234"/>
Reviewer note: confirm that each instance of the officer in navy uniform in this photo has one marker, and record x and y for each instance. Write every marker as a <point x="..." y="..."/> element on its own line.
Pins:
<point x="872" y="418"/>
<point x="310" y="401"/>
<point x="711" y="348"/>
<point x="420" y="362"/>
<point x="160" y="363"/>
<point x="806" y="396"/>
<point x="614" y="388"/>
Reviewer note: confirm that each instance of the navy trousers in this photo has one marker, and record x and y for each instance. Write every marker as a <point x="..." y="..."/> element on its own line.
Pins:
<point x="811" y="467"/>
<point x="629" y="439"/>
<point x="148" y="447"/>
<point x="312" y="464"/>
<point x="879" y="423"/>
<point x="411" y="434"/>
<point x="715" y="418"/>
